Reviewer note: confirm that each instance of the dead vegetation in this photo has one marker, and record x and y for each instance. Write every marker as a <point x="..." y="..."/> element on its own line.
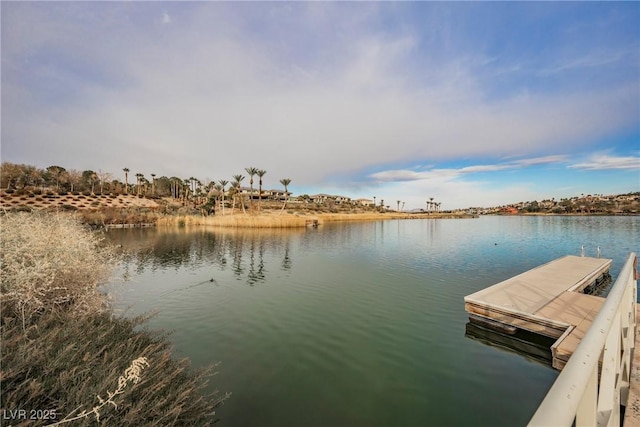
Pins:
<point x="268" y="219"/>
<point x="64" y="353"/>
<point x="50" y="262"/>
<point x="68" y="364"/>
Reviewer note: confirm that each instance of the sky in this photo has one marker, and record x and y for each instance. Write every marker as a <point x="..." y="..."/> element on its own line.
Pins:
<point x="468" y="103"/>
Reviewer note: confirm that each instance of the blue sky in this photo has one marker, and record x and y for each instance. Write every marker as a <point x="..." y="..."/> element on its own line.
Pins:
<point x="473" y="104"/>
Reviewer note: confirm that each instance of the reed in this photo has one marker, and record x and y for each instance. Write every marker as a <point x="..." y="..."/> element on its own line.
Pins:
<point x="237" y="221"/>
<point x="68" y="366"/>
<point x="288" y="220"/>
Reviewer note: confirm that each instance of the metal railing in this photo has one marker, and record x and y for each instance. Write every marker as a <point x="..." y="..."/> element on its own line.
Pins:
<point x="595" y="381"/>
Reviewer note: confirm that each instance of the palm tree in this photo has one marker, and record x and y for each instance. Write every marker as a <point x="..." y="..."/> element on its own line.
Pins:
<point x="126" y="180"/>
<point x="196" y="190"/>
<point x="398" y="202"/>
<point x="237" y="179"/>
<point x="251" y="171"/>
<point x="153" y="184"/>
<point x="222" y="183"/>
<point x="92" y="178"/>
<point x="218" y="189"/>
<point x="285" y="182"/>
<point x="186" y="187"/>
<point x="191" y="181"/>
<point x="260" y="174"/>
<point x="139" y="177"/>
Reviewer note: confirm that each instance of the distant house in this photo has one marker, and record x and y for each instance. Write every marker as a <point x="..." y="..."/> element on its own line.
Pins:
<point x="275" y="194"/>
<point x="509" y="210"/>
<point x="324" y="198"/>
<point x="320" y="198"/>
<point x="247" y="191"/>
<point x="364" y="202"/>
<point x="341" y="199"/>
<point x="266" y="194"/>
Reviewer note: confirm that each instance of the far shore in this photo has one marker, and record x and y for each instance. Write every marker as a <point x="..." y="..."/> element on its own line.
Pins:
<point x="130" y="211"/>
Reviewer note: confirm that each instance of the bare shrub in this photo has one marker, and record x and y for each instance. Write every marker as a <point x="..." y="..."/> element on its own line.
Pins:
<point x="50" y="261"/>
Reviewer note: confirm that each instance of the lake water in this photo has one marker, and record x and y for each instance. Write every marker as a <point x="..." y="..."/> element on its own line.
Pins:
<point x="358" y="324"/>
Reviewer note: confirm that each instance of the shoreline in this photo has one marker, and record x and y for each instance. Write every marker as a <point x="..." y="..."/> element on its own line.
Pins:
<point x="296" y="220"/>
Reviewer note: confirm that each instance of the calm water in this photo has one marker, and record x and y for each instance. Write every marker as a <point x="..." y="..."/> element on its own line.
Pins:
<point x="354" y="324"/>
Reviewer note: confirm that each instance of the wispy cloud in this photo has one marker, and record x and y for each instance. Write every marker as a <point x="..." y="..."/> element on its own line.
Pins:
<point x="604" y="162"/>
<point x="166" y="19"/>
<point x="450" y="173"/>
<point x="591" y="60"/>
<point x="545" y="160"/>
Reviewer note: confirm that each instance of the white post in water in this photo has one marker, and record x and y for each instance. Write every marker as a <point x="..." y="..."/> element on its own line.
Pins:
<point x="582" y="250"/>
<point x="583" y="393"/>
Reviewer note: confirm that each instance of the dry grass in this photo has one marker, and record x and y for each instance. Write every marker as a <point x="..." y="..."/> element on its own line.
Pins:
<point x="269" y="219"/>
<point x="131" y="375"/>
<point x="112" y="216"/>
<point x="50" y="262"/>
<point x="266" y="220"/>
<point x="70" y="364"/>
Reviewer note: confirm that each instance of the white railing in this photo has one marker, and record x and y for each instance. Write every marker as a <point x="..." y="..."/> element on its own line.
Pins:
<point x="585" y="391"/>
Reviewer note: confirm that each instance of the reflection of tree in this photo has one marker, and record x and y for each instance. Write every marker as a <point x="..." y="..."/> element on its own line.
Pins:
<point x="236" y="253"/>
<point x="286" y="261"/>
<point x="256" y="275"/>
<point x="247" y="251"/>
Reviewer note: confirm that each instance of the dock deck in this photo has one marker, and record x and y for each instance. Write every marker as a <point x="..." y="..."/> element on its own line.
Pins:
<point x="546" y="300"/>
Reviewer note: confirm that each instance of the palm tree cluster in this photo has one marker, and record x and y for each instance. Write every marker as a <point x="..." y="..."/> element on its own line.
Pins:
<point x="191" y="191"/>
<point x="219" y="191"/>
<point x="433" y="206"/>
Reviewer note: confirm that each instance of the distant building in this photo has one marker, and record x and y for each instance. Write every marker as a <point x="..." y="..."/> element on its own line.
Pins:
<point x="266" y="194"/>
<point x="509" y="210"/>
<point x="322" y="198"/>
<point x="364" y="202"/>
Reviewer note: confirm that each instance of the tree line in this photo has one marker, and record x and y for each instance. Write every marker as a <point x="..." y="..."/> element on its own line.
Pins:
<point x="58" y="179"/>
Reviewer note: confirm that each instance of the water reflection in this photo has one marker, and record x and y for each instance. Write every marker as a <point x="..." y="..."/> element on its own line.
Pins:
<point x="357" y="324"/>
<point x="247" y="253"/>
<point x="535" y="348"/>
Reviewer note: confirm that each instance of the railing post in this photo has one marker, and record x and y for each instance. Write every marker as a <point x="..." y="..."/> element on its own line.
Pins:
<point x="609" y="396"/>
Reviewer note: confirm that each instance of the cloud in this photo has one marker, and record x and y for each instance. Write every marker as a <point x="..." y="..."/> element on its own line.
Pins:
<point x="591" y="60"/>
<point x="607" y="162"/>
<point x="411" y="175"/>
<point x="557" y="158"/>
<point x="313" y="93"/>
<point x="398" y="175"/>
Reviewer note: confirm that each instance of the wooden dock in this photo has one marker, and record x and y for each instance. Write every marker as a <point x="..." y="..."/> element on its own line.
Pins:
<point x="547" y="300"/>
